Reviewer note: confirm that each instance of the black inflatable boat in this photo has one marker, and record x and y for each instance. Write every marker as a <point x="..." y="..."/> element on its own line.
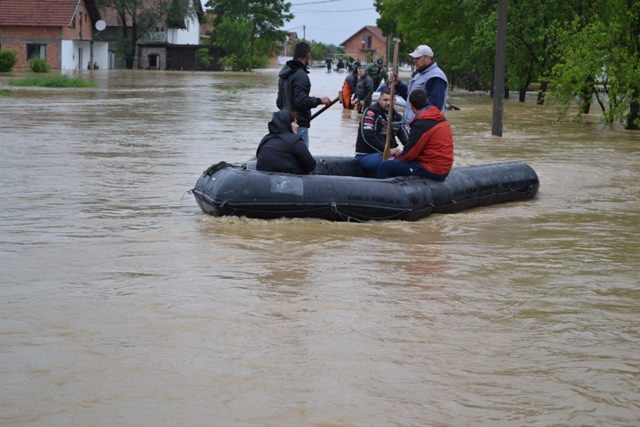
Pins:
<point x="339" y="189"/>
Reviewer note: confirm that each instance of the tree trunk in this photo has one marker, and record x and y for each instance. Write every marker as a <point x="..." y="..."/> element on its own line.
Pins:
<point x="542" y="92"/>
<point x="132" y="50"/>
<point x="586" y="96"/>
<point x="634" y="114"/>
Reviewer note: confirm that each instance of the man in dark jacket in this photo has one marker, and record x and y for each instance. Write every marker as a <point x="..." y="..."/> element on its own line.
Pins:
<point x="282" y="150"/>
<point x="372" y="134"/>
<point x="294" y="88"/>
<point x="364" y="90"/>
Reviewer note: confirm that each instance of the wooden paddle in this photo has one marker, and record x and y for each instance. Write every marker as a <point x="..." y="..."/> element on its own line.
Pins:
<point x="317" y="113"/>
<point x="394" y="66"/>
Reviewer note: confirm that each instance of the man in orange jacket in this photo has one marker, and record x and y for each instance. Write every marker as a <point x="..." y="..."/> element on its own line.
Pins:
<point x="429" y="153"/>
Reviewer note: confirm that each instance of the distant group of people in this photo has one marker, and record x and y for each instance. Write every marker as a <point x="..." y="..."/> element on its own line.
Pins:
<point x="423" y="131"/>
<point x="359" y="86"/>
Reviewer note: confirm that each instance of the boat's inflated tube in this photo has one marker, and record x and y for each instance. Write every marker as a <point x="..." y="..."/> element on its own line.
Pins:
<point x="339" y="189"/>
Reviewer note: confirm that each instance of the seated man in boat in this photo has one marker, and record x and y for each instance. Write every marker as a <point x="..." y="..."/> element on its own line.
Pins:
<point x="429" y="152"/>
<point x="282" y="150"/>
<point x="372" y="133"/>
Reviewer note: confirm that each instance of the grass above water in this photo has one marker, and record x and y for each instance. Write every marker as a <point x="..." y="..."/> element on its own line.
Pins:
<point x="54" y="81"/>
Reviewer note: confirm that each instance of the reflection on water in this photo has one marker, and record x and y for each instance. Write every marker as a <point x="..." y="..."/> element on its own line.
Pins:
<point x="124" y="305"/>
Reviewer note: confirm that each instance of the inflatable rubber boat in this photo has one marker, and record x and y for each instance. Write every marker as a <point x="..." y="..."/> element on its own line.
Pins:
<point x="339" y="189"/>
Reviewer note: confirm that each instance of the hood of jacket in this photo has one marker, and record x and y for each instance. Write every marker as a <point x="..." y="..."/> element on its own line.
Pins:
<point x="291" y="67"/>
<point x="431" y="113"/>
<point x="280" y="123"/>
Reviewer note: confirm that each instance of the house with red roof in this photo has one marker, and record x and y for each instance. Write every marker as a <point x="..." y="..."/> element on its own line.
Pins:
<point x="368" y="39"/>
<point x="59" y="31"/>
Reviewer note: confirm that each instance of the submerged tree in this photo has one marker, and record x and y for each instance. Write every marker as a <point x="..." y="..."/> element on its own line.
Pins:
<point x="601" y="61"/>
<point x="580" y="50"/>
<point x="248" y="31"/>
<point x="243" y="53"/>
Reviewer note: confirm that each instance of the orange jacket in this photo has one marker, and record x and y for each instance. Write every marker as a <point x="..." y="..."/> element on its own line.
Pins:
<point x="430" y="142"/>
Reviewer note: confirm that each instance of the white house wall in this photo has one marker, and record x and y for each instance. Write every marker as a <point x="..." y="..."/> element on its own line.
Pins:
<point x="189" y="36"/>
<point x="68" y="60"/>
<point x="70" y="55"/>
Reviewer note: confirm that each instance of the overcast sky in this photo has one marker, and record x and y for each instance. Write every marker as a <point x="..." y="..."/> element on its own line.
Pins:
<point x="329" y="21"/>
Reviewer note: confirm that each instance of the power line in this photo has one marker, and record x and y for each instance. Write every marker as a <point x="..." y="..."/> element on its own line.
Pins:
<point x="333" y="11"/>
<point x="317" y="2"/>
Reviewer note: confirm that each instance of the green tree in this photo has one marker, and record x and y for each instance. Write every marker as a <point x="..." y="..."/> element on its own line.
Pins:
<point x="8" y="60"/>
<point x="264" y="18"/>
<point x="137" y="18"/>
<point x="438" y="23"/>
<point x="243" y="52"/>
<point x="203" y="57"/>
<point x="601" y="60"/>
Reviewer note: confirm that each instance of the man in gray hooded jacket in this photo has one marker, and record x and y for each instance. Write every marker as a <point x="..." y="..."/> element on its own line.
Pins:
<point x="294" y="88"/>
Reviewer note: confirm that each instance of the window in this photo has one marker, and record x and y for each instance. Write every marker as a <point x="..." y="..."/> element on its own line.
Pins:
<point x="366" y="42"/>
<point x="36" y="50"/>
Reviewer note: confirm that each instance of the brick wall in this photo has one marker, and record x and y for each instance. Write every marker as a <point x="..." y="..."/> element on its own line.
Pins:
<point x="353" y="47"/>
<point x="17" y="38"/>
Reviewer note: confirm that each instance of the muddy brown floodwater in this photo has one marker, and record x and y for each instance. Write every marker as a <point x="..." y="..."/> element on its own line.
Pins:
<point x="123" y="304"/>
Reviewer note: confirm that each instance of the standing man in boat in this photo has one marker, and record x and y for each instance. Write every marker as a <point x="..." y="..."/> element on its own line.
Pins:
<point x="427" y="77"/>
<point x="372" y="133"/>
<point x="294" y="88"/>
<point x="377" y="73"/>
<point x="429" y="153"/>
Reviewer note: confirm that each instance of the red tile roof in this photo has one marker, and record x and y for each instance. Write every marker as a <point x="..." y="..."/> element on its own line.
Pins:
<point x="42" y="12"/>
<point x="372" y="29"/>
<point x="110" y="16"/>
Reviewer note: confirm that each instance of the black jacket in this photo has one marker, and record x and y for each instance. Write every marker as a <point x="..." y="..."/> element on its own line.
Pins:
<point x="372" y="134"/>
<point x="364" y="89"/>
<point x="282" y="150"/>
<point x="293" y="91"/>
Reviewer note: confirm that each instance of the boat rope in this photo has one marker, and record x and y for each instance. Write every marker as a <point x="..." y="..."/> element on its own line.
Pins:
<point x="216" y="167"/>
<point x="348" y="216"/>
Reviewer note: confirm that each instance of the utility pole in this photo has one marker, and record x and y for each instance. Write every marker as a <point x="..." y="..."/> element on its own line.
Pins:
<point x="304" y="32"/>
<point x="499" y="72"/>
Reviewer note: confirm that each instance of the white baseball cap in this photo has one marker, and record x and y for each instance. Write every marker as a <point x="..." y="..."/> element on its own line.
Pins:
<point x="422" y="50"/>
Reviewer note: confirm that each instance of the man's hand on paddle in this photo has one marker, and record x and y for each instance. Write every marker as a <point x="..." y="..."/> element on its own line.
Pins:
<point x="325" y="100"/>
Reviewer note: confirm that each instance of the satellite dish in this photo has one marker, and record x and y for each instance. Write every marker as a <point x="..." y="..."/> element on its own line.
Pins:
<point x="101" y="25"/>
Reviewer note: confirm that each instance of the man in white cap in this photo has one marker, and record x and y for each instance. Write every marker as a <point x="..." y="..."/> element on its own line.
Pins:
<point x="427" y="77"/>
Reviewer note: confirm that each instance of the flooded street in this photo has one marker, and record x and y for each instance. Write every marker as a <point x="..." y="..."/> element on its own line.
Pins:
<point x="124" y="305"/>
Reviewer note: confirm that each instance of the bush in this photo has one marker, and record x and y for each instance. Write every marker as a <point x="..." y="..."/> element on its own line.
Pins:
<point x="54" y="81"/>
<point x="38" y="65"/>
<point x="7" y="60"/>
